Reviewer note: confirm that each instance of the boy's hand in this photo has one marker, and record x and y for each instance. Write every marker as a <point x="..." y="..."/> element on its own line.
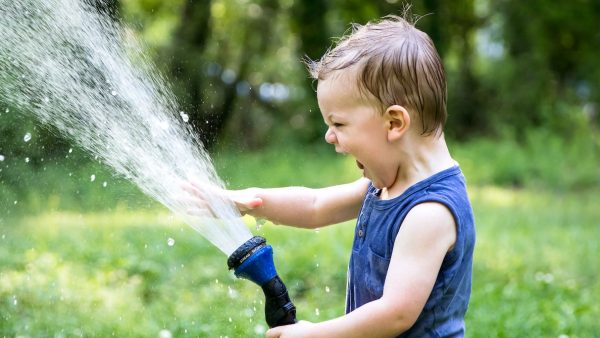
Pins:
<point x="245" y="200"/>
<point x="302" y="329"/>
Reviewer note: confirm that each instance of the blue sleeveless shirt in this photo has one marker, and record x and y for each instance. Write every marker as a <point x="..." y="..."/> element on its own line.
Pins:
<point x="376" y="229"/>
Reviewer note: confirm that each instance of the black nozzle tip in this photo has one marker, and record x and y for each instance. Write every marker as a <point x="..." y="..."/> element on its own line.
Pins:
<point x="244" y="251"/>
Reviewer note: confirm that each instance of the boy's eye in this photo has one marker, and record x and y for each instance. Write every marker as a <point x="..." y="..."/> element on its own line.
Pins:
<point x="335" y="124"/>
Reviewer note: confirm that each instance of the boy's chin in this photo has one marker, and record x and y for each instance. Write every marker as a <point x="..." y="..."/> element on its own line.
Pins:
<point x="377" y="185"/>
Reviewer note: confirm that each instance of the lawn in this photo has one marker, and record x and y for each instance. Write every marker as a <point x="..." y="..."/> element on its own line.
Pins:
<point x="138" y="272"/>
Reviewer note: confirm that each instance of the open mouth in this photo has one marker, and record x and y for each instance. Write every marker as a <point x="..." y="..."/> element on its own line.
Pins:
<point x="360" y="165"/>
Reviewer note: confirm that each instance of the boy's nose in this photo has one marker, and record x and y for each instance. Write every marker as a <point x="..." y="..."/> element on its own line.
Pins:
<point x="330" y="136"/>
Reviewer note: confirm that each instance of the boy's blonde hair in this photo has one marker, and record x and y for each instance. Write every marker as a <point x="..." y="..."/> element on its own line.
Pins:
<point x="397" y="64"/>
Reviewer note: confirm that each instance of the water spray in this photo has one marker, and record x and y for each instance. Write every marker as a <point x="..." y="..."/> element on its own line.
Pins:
<point x="77" y="70"/>
<point x="253" y="260"/>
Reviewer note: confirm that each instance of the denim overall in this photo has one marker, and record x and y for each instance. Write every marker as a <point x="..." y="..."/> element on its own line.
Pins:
<point x="376" y="229"/>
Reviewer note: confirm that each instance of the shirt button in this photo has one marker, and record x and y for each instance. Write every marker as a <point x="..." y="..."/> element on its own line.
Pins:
<point x="360" y="232"/>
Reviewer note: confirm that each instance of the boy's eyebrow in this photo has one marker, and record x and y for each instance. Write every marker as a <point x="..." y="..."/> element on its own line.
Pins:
<point x="331" y="116"/>
<point x="327" y="117"/>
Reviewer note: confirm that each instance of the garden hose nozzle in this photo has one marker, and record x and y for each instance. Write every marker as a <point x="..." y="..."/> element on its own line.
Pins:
<point x="253" y="260"/>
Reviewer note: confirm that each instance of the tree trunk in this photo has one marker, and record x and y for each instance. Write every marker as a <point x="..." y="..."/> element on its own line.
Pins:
<point x="186" y="62"/>
<point x="308" y="22"/>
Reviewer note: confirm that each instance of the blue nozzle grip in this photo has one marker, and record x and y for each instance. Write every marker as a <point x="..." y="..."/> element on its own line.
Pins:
<point x="259" y="267"/>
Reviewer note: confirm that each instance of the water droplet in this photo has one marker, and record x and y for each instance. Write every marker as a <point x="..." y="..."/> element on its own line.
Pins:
<point x="46" y="99"/>
<point x="165" y="334"/>
<point x="2" y="158"/>
<point x="170" y="241"/>
<point x="230" y="319"/>
<point x="26" y="159"/>
<point x="259" y="329"/>
<point x="70" y="150"/>
<point x="260" y="222"/>
<point x="7" y="110"/>
<point x="113" y="93"/>
<point x="547" y="278"/>
<point x="15" y="202"/>
<point x="92" y="178"/>
<point x="185" y="117"/>
<point x="104" y="184"/>
<point x="317" y="311"/>
<point x="15" y="301"/>
<point x="27" y="137"/>
<point x="327" y="289"/>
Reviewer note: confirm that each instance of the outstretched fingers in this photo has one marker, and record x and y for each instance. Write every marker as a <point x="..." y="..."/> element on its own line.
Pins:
<point x="197" y="200"/>
<point x="245" y="200"/>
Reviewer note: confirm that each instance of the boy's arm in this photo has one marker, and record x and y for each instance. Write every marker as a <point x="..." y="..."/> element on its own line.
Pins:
<point x="426" y="235"/>
<point x="304" y="207"/>
<point x="295" y="206"/>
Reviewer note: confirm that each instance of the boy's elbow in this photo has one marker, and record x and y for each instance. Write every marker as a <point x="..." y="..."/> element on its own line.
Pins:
<point x="402" y="316"/>
<point x="401" y="324"/>
<point x="315" y="217"/>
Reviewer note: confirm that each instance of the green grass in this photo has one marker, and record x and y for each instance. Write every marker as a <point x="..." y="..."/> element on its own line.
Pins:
<point x="540" y="160"/>
<point x="536" y="264"/>
<point x="69" y="270"/>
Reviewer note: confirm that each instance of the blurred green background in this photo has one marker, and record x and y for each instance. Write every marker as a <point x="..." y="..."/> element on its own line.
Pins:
<point x="91" y="258"/>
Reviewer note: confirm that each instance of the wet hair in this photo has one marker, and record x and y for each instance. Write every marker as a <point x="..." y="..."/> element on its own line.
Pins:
<point x="394" y="62"/>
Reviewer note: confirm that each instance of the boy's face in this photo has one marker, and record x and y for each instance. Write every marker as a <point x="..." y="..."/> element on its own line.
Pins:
<point x="356" y="127"/>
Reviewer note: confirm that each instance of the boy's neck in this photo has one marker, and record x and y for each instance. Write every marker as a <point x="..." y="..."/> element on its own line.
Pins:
<point x="420" y="157"/>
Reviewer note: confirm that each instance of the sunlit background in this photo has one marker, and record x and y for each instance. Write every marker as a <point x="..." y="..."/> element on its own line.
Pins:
<point x="83" y="253"/>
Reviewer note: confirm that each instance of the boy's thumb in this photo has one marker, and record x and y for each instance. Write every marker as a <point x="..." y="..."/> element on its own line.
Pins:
<point x="254" y="203"/>
<point x="247" y="205"/>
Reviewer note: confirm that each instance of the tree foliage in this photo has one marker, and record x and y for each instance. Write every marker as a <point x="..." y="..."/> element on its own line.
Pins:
<point x="236" y="65"/>
<point x="511" y="65"/>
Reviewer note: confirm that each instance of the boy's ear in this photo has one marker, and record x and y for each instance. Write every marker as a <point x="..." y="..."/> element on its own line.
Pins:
<point x="398" y="121"/>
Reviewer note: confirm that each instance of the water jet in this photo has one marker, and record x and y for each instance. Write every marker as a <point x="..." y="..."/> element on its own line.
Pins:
<point x="76" y="70"/>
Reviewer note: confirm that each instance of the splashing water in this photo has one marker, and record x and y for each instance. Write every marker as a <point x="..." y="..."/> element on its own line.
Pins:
<point x="80" y="72"/>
